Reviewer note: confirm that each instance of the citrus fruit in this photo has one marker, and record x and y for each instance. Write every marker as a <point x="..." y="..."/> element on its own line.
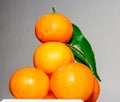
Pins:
<point x="51" y="55"/>
<point x="95" y="93"/>
<point x="72" y="81"/>
<point x="30" y="83"/>
<point x="53" y="27"/>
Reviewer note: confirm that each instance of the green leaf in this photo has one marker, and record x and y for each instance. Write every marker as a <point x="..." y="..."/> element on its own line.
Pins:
<point x="82" y="50"/>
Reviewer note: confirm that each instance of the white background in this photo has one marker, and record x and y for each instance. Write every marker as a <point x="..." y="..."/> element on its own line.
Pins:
<point x="99" y="20"/>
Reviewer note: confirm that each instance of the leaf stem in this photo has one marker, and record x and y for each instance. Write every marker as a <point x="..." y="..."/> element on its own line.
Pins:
<point x="79" y="52"/>
<point x="53" y="10"/>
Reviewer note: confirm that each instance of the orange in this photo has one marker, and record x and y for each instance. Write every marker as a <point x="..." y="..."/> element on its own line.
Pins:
<point x="51" y="55"/>
<point x="50" y="95"/>
<point x="53" y="27"/>
<point x="96" y="92"/>
<point x="72" y="81"/>
<point x="29" y="83"/>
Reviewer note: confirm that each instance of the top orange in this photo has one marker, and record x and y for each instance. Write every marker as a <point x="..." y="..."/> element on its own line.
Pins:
<point x="53" y="27"/>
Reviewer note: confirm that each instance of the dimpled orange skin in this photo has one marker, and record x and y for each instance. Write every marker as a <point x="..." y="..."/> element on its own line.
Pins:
<point x="72" y="81"/>
<point x="29" y="83"/>
<point x="53" y="27"/>
<point x="51" y="55"/>
<point x="96" y="92"/>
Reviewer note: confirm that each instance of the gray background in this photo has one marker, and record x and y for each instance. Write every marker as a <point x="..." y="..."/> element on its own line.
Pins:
<point x="99" y="20"/>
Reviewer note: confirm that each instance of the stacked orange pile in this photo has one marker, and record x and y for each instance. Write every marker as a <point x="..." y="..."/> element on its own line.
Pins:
<point x="55" y="74"/>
